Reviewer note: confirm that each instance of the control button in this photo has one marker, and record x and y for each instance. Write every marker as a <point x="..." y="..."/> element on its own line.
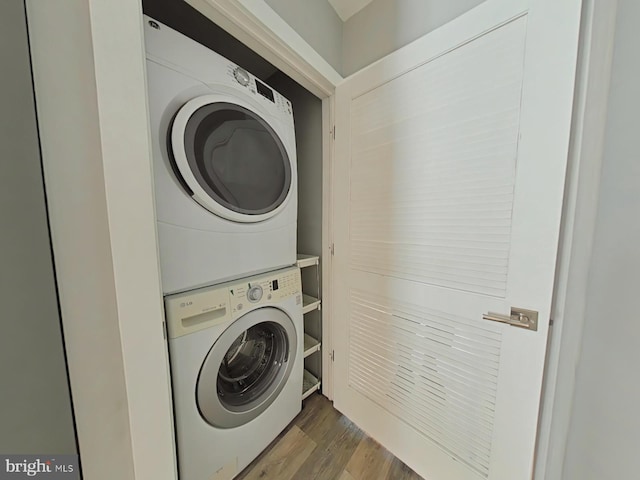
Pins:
<point x="255" y="293"/>
<point x="239" y="307"/>
<point x="269" y="297"/>
<point x="241" y="76"/>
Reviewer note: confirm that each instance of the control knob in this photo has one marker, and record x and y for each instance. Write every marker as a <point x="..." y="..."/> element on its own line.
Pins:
<point x="241" y="76"/>
<point x="254" y="294"/>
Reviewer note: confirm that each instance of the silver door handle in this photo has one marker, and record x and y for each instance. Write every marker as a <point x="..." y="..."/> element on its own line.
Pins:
<point x="519" y="317"/>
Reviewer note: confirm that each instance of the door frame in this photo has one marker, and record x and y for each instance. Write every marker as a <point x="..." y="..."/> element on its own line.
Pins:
<point x="254" y="23"/>
<point x="577" y="229"/>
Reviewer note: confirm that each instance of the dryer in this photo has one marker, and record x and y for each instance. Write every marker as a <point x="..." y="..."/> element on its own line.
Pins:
<point x="236" y="355"/>
<point x="224" y="165"/>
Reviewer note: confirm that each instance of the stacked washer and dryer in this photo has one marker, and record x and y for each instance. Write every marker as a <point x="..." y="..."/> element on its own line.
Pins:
<point x="224" y="165"/>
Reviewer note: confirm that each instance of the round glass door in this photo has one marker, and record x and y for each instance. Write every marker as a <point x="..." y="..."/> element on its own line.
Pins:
<point x="231" y="159"/>
<point x="246" y="368"/>
<point x="251" y="364"/>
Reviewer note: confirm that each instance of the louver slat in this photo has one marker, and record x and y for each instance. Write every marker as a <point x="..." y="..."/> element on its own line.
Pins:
<point x="434" y="371"/>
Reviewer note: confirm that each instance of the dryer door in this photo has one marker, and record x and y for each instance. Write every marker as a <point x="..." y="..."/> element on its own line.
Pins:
<point x="246" y="368"/>
<point x="230" y="159"/>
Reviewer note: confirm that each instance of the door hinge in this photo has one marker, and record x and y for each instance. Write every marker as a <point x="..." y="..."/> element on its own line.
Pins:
<point x="332" y="249"/>
<point x="551" y="322"/>
<point x="333" y="355"/>
<point x="332" y="132"/>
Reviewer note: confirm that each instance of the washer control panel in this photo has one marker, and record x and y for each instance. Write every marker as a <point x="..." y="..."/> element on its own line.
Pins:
<point x="264" y="290"/>
<point x="254" y="294"/>
<point x="195" y="310"/>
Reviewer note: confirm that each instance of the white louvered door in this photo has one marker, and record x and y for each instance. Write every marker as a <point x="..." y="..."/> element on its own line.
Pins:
<point x="449" y="180"/>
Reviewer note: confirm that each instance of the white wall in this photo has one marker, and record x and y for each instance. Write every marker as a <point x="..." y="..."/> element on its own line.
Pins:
<point x="317" y="22"/>
<point x="605" y="424"/>
<point x="88" y="62"/>
<point x="35" y="406"/>
<point x="383" y="26"/>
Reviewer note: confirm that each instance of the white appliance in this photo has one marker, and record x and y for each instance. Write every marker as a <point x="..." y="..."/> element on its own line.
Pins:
<point x="224" y="165"/>
<point x="236" y="354"/>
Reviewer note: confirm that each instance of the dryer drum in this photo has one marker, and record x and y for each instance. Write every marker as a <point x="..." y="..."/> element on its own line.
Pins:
<point x="236" y="157"/>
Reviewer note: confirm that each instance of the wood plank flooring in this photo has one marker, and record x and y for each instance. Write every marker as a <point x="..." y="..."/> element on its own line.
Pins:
<point x="323" y="444"/>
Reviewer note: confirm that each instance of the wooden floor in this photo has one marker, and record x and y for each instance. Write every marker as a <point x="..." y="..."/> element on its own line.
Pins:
<point x="323" y="444"/>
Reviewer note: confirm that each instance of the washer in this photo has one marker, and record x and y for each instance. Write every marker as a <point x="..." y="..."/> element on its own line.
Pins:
<point x="224" y="164"/>
<point x="236" y="355"/>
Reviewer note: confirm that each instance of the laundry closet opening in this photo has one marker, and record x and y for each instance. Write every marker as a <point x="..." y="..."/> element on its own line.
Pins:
<point x="307" y="111"/>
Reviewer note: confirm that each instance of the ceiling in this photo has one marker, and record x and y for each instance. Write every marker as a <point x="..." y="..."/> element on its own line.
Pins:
<point x="346" y="8"/>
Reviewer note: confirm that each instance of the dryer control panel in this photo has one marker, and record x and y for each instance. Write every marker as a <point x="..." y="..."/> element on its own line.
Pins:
<point x="264" y="290"/>
<point x="259" y="89"/>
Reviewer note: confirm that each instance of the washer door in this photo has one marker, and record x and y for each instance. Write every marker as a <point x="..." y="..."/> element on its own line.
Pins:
<point x="230" y="159"/>
<point x="246" y="368"/>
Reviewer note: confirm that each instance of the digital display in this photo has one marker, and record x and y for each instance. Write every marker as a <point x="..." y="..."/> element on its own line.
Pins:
<point x="274" y="285"/>
<point x="265" y="91"/>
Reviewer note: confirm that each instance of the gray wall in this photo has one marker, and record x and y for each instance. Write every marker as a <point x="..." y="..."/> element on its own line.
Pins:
<point x="605" y="424"/>
<point x="383" y="26"/>
<point x="35" y="407"/>
<point x="317" y="22"/>
<point x="307" y="111"/>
